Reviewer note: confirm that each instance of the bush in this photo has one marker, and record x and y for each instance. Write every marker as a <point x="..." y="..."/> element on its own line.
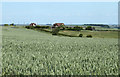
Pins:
<point x="54" y="33"/>
<point x="6" y="25"/>
<point x="80" y="35"/>
<point x="90" y="28"/>
<point x="78" y="28"/>
<point x="37" y="26"/>
<point x="29" y="27"/>
<point x="12" y="24"/>
<point x="46" y="27"/>
<point x="90" y="36"/>
<point x="69" y="28"/>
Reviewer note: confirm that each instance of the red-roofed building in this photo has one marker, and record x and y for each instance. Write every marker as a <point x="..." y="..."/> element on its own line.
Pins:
<point x="33" y="24"/>
<point x="57" y="25"/>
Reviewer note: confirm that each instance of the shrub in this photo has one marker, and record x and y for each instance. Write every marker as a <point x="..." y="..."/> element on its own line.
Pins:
<point x="12" y="24"/>
<point x="78" y="28"/>
<point x="6" y="25"/>
<point x="90" y="36"/>
<point x="69" y="28"/>
<point x="80" y="35"/>
<point x="37" y="26"/>
<point x="90" y="28"/>
<point x="54" y="33"/>
<point x="29" y="27"/>
<point x="46" y="27"/>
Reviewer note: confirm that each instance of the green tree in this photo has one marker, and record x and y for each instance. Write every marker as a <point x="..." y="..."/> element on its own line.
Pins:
<point x="89" y="28"/>
<point x="6" y="25"/>
<point x="55" y="30"/>
<point x="78" y="28"/>
<point x="12" y="24"/>
<point x="89" y="36"/>
<point x="80" y="35"/>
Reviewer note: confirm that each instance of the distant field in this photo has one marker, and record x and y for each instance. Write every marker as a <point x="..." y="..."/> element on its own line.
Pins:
<point x="102" y="28"/>
<point x="28" y="52"/>
<point x="95" y="34"/>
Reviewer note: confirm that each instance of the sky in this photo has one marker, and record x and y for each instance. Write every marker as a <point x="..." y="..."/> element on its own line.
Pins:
<point x="60" y="12"/>
<point x="60" y="0"/>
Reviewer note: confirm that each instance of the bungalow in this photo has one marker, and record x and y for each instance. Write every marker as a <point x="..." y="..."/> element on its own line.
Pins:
<point x="57" y="25"/>
<point x="33" y="24"/>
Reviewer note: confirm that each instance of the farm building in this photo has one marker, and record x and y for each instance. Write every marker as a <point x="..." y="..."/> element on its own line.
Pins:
<point x="33" y="24"/>
<point x="57" y="25"/>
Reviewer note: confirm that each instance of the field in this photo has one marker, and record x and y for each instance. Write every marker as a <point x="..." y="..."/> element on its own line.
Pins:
<point x="95" y="34"/>
<point x="102" y="28"/>
<point x="29" y="52"/>
<point x="0" y="50"/>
